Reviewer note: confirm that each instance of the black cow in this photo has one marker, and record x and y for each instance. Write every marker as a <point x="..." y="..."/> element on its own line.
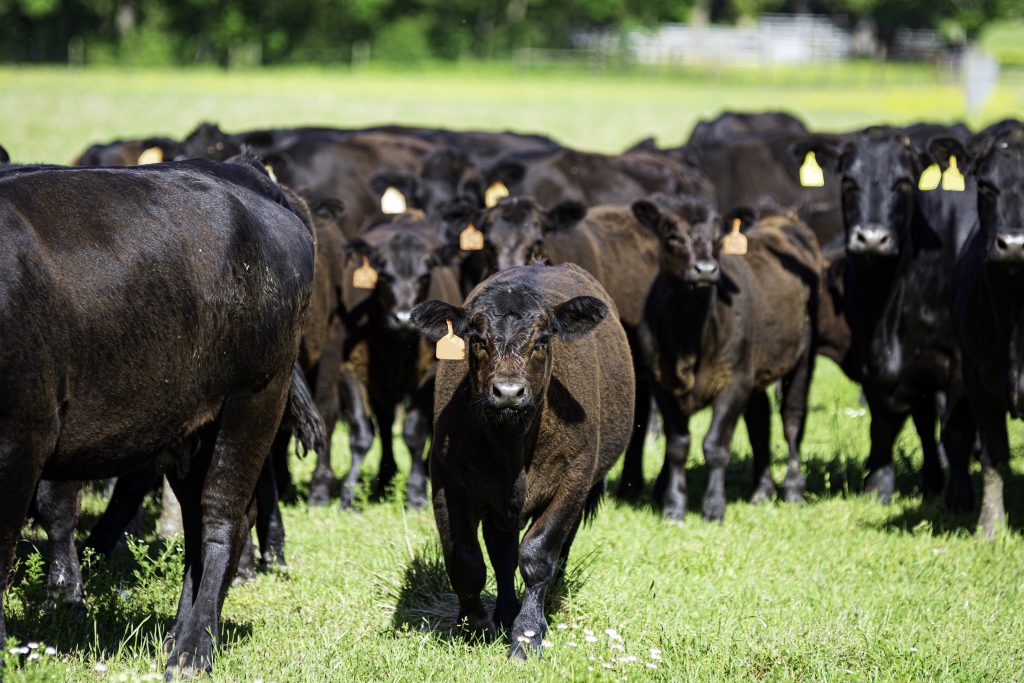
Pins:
<point x="730" y="125"/>
<point x="525" y="432"/>
<point x="162" y="326"/>
<point x="129" y="152"/>
<point x="901" y="245"/>
<point x="446" y="176"/>
<point x="718" y="330"/>
<point x="988" y="314"/>
<point x="387" y="355"/>
<point x="606" y="242"/>
<point x="550" y="177"/>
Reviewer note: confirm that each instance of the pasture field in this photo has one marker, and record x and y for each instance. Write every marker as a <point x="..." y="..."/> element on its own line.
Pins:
<point x="839" y="588"/>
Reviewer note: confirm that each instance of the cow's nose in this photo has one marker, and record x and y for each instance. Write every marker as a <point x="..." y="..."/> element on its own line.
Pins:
<point x="508" y="393"/>
<point x="1009" y="246"/>
<point x="403" y="316"/>
<point x="871" y="239"/>
<point x="705" y="270"/>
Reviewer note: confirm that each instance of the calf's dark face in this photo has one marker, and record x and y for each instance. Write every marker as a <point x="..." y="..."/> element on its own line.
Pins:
<point x="513" y="233"/>
<point x="690" y="241"/>
<point x="1000" y="175"/>
<point x="509" y="332"/>
<point x="404" y="265"/>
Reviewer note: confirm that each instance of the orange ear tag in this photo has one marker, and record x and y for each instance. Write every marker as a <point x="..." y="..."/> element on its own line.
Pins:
<point x="450" y="346"/>
<point x="364" y="277"/>
<point x="150" y="155"/>
<point x="494" y="194"/>
<point x="471" y="239"/>
<point x="735" y="242"/>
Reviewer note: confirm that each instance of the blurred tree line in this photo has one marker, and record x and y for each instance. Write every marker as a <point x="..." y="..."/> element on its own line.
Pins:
<point x="246" y="32"/>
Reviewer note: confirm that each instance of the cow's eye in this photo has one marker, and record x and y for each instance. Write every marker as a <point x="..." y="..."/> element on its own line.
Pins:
<point x="675" y="243"/>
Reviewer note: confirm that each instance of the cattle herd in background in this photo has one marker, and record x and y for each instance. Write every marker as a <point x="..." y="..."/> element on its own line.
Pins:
<point x="187" y="317"/>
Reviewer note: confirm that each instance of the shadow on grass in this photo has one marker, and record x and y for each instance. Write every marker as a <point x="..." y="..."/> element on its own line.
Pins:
<point x="423" y="600"/>
<point x="128" y="610"/>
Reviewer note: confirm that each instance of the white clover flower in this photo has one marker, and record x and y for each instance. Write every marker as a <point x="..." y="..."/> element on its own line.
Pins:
<point x="615" y="646"/>
<point x="587" y="632"/>
<point x="34" y="655"/>
<point x="655" y="651"/>
<point x="50" y="650"/>
<point x="100" y="667"/>
<point x="562" y="627"/>
<point x="571" y="643"/>
<point x="529" y="634"/>
<point x="591" y="639"/>
<point x="523" y="639"/>
<point x="33" y="646"/>
<point x="546" y="643"/>
<point x="651" y="665"/>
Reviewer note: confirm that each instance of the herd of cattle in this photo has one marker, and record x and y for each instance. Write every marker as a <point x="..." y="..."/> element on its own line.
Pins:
<point x="186" y="317"/>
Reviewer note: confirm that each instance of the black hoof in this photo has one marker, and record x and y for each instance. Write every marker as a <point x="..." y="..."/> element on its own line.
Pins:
<point x="881" y="482"/>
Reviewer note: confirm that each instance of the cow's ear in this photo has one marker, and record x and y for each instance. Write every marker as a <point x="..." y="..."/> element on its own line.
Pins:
<point x="941" y="147"/>
<point x="648" y="215"/>
<point x="576" y="317"/>
<point x="471" y="190"/>
<point x="507" y="171"/>
<point x="746" y="216"/>
<point x="329" y="210"/>
<point x="826" y="152"/>
<point x="563" y="216"/>
<point x="5" y="158"/>
<point x="403" y="182"/>
<point x="648" y="144"/>
<point x="357" y="248"/>
<point x="430" y="319"/>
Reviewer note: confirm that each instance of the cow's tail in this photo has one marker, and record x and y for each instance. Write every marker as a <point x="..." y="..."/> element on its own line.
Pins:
<point x="593" y="502"/>
<point x="302" y="417"/>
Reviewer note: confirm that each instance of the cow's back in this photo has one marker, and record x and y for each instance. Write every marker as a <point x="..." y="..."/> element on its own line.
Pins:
<point x="147" y="296"/>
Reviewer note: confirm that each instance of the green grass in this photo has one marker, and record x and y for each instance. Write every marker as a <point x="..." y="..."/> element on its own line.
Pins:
<point x="840" y="588"/>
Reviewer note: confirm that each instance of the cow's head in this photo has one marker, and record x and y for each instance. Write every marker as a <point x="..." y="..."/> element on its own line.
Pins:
<point x="509" y="330"/>
<point x="514" y="230"/>
<point x="209" y="142"/>
<point x="690" y="231"/>
<point x="404" y="261"/>
<point x="996" y="160"/>
<point x="446" y="175"/>
<point x="879" y="170"/>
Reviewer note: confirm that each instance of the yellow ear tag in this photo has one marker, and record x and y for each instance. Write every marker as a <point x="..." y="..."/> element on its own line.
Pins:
<point x="270" y="172"/>
<point x="364" y="277"/>
<point x="392" y="201"/>
<point x="495" y="193"/>
<point x="151" y="155"/>
<point x="811" y="174"/>
<point x="930" y="178"/>
<point x="450" y="346"/>
<point x="735" y="242"/>
<point x="952" y="178"/>
<point x="471" y="239"/>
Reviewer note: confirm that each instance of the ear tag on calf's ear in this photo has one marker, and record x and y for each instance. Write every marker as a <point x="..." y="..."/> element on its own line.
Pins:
<point x="270" y="172"/>
<point x="930" y="178"/>
<point x="735" y="242"/>
<point x="811" y="174"/>
<point x="494" y="194"/>
<point x="392" y="201"/>
<point x="952" y="178"/>
<point x="364" y="277"/>
<point x="471" y="239"/>
<point x="450" y="346"/>
<point x="151" y="155"/>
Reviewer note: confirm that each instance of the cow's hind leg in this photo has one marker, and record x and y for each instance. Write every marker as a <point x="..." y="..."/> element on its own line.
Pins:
<point x="384" y="411"/>
<point x="631" y="484"/>
<point x="924" y="417"/>
<point x="415" y="431"/>
<point x="670" y="487"/>
<point x="758" y="418"/>
<point x="57" y="507"/>
<point x="129" y="492"/>
<point x="503" y="550"/>
<point x="269" y="525"/>
<point x="247" y="425"/>
<point x="885" y="427"/>
<point x="360" y="431"/>
<point x="795" y="387"/>
<point x="19" y="471"/>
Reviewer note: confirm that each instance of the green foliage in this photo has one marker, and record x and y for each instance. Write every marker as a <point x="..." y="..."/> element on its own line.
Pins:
<point x="247" y="32"/>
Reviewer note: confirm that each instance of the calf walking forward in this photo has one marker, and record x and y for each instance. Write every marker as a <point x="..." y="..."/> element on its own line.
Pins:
<point x="142" y="309"/>
<point x="525" y="431"/>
